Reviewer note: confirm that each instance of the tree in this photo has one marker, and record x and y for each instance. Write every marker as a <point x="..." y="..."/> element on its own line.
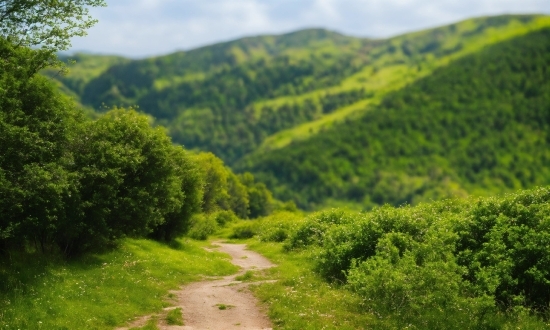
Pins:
<point x="128" y="182"/>
<point x="45" y="25"/>
<point x="177" y="222"/>
<point x="36" y="125"/>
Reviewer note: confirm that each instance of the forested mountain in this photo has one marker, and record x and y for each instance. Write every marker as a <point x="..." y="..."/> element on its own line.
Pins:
<point x="261" y="93"/>
<point x="480" y="124"/>
<point x="325" y="118"/>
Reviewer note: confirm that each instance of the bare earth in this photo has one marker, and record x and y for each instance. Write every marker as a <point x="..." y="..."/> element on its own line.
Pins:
<point x="201" y="301"/>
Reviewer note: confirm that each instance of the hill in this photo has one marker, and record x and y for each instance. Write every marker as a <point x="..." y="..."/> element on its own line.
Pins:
<point x="479" y="125"/>
<point x="261" y="93"/>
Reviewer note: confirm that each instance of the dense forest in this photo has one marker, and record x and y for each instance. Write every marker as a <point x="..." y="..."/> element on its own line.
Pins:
<point x="478" y="125"/>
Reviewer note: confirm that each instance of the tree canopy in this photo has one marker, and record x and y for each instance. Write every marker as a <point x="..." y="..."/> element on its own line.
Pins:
<point x="47" y="26"/>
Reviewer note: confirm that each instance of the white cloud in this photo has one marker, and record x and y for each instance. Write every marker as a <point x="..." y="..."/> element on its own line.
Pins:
<point x="139" y="28"/>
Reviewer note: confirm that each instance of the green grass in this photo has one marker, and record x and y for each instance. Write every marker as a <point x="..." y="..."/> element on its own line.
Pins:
<point x="249" y="275"/>
<point x="100" y="291"/>
<point x="302" y="300"/>
<point x="175" y="317"/>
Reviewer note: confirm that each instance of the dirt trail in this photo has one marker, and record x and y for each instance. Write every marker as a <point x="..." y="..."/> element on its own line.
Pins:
<point x="221" y="304"/>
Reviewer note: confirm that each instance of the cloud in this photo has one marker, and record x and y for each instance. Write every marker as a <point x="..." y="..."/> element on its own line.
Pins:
<point x="139" y="28"/>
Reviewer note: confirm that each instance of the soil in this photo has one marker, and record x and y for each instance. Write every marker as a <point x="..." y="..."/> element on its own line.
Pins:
<point x="221" y="304"/>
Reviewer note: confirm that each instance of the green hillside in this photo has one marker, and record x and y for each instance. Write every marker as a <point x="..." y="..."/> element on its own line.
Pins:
<point x="479" y="125"/>
<point x="261" y="93"/>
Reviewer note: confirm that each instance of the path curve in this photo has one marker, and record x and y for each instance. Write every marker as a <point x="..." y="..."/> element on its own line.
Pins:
<point x="201" y="301"/>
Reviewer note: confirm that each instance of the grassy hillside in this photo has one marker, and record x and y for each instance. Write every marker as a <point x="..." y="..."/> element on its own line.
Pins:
<point x="478" y="125"/>
<point x="261" y="93"/>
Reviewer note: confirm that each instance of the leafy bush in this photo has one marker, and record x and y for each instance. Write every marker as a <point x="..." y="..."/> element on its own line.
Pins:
<point x="312" y="230"/>
<point x="503" y="243"/>
<point x="247" y="229"/>
<point x="450" y="264"/>
<point x="278" y="226"/>
<point x="202" y="227"/>
<point x="224" y="217"/>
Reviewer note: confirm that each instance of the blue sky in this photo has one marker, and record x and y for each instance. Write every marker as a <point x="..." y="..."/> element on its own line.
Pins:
<point x="139" y="28"/>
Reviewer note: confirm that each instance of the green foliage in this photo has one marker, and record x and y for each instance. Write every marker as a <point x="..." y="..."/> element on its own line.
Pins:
<point x="46" y="26"/>
<point x="202" y="226"/>
<point x="260" y="198"/>
<point x="128" y="181"/>
<point x="224" y="217"/>
<point x="36" y="125"/>
<point x="450" y="264"/>
<point x="245" y="229"/>
<point x="446" y="135"/>
<point x="248" y="95"/>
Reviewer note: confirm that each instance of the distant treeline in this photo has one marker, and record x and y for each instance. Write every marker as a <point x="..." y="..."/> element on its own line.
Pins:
<point x="71" y="184"/>
<point x="479" y="125"/>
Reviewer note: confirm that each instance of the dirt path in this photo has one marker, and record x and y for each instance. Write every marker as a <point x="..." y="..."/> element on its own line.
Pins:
<point x="221" y="304"/>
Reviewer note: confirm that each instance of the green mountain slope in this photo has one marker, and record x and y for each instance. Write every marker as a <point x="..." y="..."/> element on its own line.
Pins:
<point x="259" y="94"/>
<point x="480" y="124"/>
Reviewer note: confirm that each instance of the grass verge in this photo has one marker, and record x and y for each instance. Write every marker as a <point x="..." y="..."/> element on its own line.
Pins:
<point x="100" y="291"/>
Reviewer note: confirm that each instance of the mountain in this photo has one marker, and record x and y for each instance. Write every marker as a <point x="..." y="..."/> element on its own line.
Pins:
<point x="257" y="100"/>
<point x="478" y="125"/>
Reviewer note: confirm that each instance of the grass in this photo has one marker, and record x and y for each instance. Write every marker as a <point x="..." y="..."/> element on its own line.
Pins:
<point x="223" y="307"/>
<point x="100" y="291"/>
<point x="249" y="275"/>
<point x="175" y="317"/>
<point x="302" y="300"/>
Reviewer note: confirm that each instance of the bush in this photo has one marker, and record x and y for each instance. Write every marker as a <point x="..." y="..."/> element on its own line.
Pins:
<point x="224" y="217"/>
<point x="245" y="230"/>
<point x="278" y="226"/>
<point x="312" y="230"/>
<point x="202" y="227"/>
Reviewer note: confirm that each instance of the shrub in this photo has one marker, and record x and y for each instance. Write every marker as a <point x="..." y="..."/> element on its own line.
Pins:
<point x="312" y="230"/>
<point x="224" y="217"/>
<point x="278" y="226"/>
<point x="245" y="230"/>
<point x="202" y="227"/>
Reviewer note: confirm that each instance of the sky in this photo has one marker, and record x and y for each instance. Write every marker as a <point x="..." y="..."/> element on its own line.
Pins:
<point x="141" y="28"/>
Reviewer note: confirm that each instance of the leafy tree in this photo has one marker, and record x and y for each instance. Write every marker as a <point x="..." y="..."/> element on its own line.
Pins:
<point x="260" y="198"/>
<point x="128" y="181"/>
<point x="45" y="25"/>
<point x="178" y="221"/>
<point x="36" y="126"/>
<point x="214" y="176"/>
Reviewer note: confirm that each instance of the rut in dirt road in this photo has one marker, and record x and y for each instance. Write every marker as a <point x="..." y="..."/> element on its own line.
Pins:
<point x="222" y="304"/>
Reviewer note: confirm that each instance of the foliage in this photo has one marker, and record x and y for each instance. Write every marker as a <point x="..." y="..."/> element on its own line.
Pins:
<point x="248" y="95"/>
<point x="445" y="135"/>
<point x="450" y="264"/>
<point x="202" y="226"/>
<point x="36" y="125"/>
<point x="47" y="26"/>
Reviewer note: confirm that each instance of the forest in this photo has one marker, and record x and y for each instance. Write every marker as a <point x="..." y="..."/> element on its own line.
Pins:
<point x="479" y="125"/>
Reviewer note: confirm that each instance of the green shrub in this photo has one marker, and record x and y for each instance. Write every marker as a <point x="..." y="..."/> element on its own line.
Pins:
<point x="224" y="217"/>
<point x="503" y="243"/>
<point x="312" y="230"/>
<point x="278" y="226"/>
<point x="202" y="227"/>
<point x="245" y="230"/>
